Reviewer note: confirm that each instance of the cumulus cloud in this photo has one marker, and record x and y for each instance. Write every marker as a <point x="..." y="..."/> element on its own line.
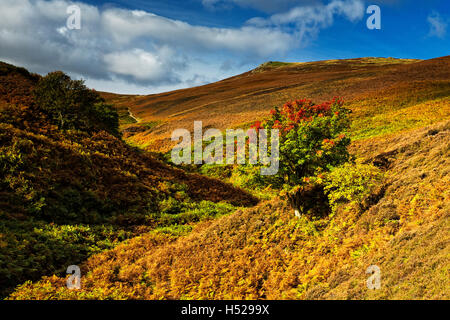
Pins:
<point x="144" y="49"/>
<point x="143" y="67"/>
<point x="118" y="43"/>
<point x="126" y="26"/>
<point x="438" y="27"/>
<point x="306" y="22"/>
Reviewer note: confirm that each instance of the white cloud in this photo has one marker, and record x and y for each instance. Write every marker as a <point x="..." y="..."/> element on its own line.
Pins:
<point x="147" y="50"/>
<point x="145" y="66"/>
<point x="306" y="22"/>
<point x="126" y="26"/>
<point x="123" y="44"/>
<point x="438" y="27"/>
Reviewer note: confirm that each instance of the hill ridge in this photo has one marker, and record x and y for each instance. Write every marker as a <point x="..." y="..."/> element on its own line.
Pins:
<point x="250" y="96"/>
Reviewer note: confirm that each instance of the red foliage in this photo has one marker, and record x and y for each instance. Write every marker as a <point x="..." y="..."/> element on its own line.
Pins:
<point x="297" y="111"/>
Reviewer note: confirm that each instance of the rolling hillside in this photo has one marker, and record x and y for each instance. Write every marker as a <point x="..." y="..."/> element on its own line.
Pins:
<point x="400" y="123"/>
<point x="68" y="194"/>
<point x="267" y="253"/>
<point x="376" y="89"/>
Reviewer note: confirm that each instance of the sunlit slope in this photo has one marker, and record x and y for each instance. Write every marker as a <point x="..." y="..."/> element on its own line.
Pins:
<point x="372" y="87"/>
<point x="266" y="252"/>
<point x="54" y="158"/>
<point x="65" y="195"/>
<point x="400" y="123"/>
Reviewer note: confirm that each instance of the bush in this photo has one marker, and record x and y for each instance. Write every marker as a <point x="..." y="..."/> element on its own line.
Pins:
<point x="352" y="183"/>
<point x="69" y="104"/>
<point x="106" y="118"/>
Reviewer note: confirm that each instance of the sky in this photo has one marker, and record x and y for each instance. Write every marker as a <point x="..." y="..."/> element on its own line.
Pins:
<point x="146" y="47"/>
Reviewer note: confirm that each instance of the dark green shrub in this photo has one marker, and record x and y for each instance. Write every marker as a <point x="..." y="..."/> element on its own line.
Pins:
<point x="71" y="105"/>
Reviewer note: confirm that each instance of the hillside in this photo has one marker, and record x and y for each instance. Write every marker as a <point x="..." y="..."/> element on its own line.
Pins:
<point x="400" y="124"/>
<point x="67" y="194"/>
<point x="267" y="253"/>
<point x="376" y="89"/>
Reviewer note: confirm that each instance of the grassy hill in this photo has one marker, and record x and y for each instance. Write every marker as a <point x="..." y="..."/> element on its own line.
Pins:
<point x="267" y="253"/>
<point x="400" y="123"/>
<point x="68" y="194"/>
<point x="376" y="89"/>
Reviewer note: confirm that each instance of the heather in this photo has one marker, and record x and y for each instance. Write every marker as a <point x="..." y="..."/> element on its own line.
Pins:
<point x="363" y="181"/>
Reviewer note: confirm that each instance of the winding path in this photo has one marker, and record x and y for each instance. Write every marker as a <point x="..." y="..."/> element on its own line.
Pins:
<point x="132" y="116"/>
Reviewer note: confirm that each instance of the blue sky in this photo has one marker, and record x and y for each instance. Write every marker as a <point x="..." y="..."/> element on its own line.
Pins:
<point x="146" y="47"/>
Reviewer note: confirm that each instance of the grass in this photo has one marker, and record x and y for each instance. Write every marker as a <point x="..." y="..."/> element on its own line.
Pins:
<point x="151" y="124"/>
<point x="207" y="248"/>
<point x="125" y="119"/>
<point x="266" y="253"/>
<point x="370" y="86"/>
<point x="271" y="65"/>
<point x="67" y="195"/>
<point x="415" y="116"/>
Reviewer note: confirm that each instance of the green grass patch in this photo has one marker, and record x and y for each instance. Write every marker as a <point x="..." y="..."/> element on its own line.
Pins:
<point x="150" y="125"/>
<point x="30" y="248"/>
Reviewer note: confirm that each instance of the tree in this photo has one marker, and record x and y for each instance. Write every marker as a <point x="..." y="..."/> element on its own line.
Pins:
<point x="312" y="141"/>
<point x="69" y="104"/>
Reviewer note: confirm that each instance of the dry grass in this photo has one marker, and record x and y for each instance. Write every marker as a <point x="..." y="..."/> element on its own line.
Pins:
<point x="401" y="123"/>
<point x="370" y="86"/>
<point x="266" y="253"/>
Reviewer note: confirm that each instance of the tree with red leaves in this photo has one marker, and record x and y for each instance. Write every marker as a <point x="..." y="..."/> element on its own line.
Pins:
<point x="312" y="140"/>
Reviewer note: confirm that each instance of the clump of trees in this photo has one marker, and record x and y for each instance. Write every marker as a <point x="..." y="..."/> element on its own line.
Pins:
<point x="70" y="105"/>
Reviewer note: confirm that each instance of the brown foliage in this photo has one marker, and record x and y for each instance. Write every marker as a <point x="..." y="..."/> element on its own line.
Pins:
<point x="370" y="86"/>
<point x="266" y="253"/>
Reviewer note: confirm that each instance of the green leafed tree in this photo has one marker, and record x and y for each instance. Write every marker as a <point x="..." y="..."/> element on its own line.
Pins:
<point x="312" y="142"/>
<point x="69" y="104"/>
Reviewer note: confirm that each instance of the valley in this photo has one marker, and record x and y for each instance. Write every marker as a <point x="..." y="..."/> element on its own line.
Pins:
<point x="141" y="227"/>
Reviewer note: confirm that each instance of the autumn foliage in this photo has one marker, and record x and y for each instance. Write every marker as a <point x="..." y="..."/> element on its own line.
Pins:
<point x="70" y="188"/>
<point x="312" y="138"/>
<point x="312" y="142"/>
<point x="141" y="229"/>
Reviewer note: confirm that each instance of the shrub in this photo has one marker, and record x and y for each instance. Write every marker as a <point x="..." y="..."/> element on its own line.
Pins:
<point x="71" y="105"/>
<point x="105" y="118"/>
<point x="351" y="183"/>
